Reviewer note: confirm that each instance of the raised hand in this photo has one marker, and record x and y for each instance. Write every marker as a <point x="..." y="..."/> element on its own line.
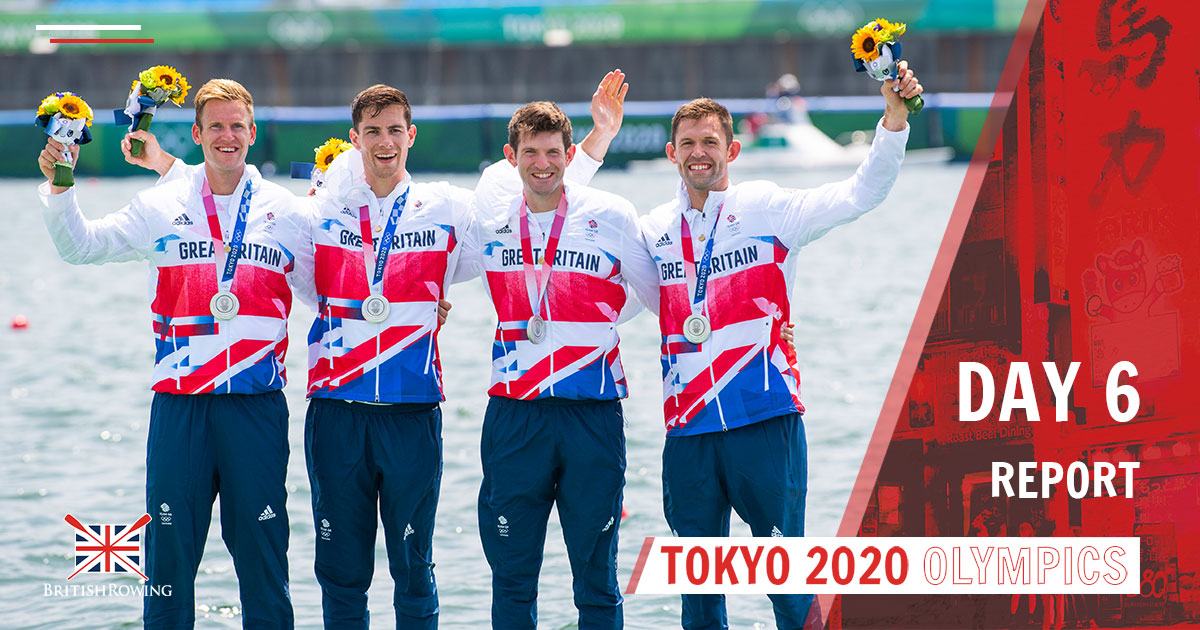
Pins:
<point x="608" y="103"/>
<point x="905" y="85"/>
<point x="608" y="110"/>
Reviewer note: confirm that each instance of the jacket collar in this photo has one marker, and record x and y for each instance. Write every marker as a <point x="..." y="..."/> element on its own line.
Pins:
<point x="714" y="201"/>
<point x="514" y="207"/>
<point x="192" y="196"/>
<point x="347" y="182"/>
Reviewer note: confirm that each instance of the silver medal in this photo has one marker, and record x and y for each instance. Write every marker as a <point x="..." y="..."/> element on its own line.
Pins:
<point x="375" y="309"/>
<point x="224" y="305"/>
<point x="696" y="328"/>
<point x="536" y="330"/>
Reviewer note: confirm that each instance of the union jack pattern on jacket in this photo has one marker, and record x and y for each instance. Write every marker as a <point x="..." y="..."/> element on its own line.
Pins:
<point x="166" y="225"/>
<point x="599" y="254"/>
<point x="394" y="361"/>
<point x="744" y="373"/>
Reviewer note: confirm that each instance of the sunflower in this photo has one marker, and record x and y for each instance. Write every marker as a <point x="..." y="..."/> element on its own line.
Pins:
<point x="165" y="77"/>
<point x="74" y="107"/>
<point x="889" y="31"/>
<point x="330" y="150"/>
<point x="183" y="90"/>
<point x="865" y="44"/>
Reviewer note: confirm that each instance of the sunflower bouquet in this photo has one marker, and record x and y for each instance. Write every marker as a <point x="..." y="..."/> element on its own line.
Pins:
<point x="876" y="50"/>
<point x="153" y="88"/>
<point x="325" y="154"/>
<point x="66" y="118"/>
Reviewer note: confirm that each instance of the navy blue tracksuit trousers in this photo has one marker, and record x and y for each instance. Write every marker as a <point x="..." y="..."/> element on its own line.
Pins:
<point x="761" y="471"/>
<point x="199" y="446"/>
<point x="536" y="454"/>
<point x="367" y="460"/>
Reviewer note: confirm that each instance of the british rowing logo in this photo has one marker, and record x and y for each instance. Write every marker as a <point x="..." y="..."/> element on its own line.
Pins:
<point x="108" y="548"/>
<point x="664" y="241"/>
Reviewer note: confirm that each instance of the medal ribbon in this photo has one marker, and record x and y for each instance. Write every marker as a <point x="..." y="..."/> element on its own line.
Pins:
<point x="225" y="272"/>
<point x="536" y="281"/>
<point x="696" y="275"/>
<point x="385" y="241"/>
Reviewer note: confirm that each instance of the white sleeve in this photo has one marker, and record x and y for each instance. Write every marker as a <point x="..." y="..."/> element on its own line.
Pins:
<point x="302" y="276"/>
<point x="121" y="236"/>
<point x="582" y="168"/>
<point x="466" y="262"/>
<point x="809" y="214"/>
<point x="637" y="267"/>
<point x="498" y="186"/>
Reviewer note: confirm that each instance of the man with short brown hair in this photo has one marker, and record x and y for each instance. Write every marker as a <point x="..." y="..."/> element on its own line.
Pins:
<point x="560" y="261"/>
<point x="222" y="244"/>
<point x="731" y="390"/>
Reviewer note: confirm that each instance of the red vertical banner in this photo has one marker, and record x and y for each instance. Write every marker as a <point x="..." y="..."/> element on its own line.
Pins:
<point x="1080" y="255"/>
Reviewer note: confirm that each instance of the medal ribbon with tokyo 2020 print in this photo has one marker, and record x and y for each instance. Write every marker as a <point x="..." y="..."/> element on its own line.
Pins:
<point x="697" y="328"/>
<point x="376" y="307"/>
<point x="224" y="305"/>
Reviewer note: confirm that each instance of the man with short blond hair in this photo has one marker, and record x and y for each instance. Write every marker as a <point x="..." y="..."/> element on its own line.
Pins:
<point x="222" y="244"/>
<point x="222" y="90"/>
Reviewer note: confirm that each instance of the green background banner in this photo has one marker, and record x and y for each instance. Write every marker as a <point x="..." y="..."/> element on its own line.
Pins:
<point x="623" y="22"/>
<point x="475" y="141"/>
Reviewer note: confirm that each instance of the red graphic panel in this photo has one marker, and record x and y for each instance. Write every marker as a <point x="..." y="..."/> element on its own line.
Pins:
<point x="1080" y="247"/>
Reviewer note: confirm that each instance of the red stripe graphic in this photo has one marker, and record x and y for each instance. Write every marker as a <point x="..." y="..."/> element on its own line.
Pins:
<point x="55" y="40"/>
<point x="641" y="564"/>
<point x="352" y="365"/>
<point x="201" y="381"/>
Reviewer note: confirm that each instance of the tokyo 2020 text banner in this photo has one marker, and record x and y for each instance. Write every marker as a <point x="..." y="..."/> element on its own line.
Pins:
<point x="898" y="566"/>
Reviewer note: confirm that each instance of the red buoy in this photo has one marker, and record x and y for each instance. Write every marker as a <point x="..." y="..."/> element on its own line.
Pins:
<point x="20" y="321"/>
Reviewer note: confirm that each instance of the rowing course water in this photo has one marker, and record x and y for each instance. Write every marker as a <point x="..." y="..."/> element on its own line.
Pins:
<point x="74" y="409"/>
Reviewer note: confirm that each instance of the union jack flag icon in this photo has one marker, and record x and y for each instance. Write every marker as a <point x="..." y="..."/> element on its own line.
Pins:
<point x="108" y="548"/>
